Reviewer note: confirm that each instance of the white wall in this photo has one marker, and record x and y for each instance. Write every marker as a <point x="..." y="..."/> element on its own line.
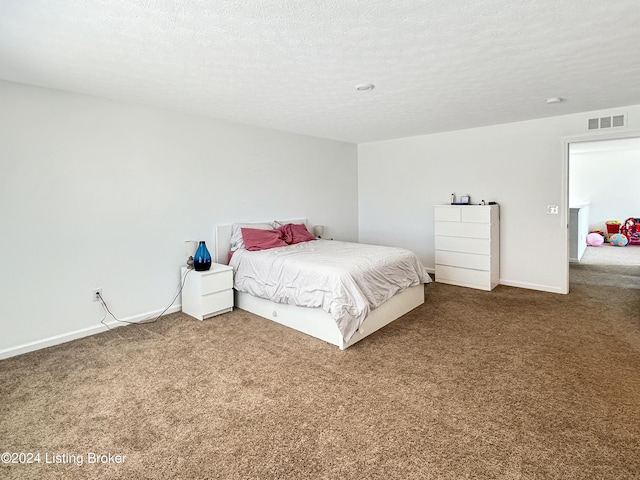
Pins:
<point x="518" y="165"/>
<point x="610" y="180"/>
<point x="97" y="193"/>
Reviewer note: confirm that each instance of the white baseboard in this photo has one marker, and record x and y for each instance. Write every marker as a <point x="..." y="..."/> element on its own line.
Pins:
<point x="84" y="332"/>
<point x="532" y="286"/>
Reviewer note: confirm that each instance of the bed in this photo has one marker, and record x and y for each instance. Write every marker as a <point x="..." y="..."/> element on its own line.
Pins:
<point x="341" y="318"/>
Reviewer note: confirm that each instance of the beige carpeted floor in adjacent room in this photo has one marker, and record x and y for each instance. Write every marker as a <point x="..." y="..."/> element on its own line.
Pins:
<point x="508" y="384"/>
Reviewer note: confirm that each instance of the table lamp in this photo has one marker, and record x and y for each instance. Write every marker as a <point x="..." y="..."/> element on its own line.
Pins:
<point x="190" y="247"/>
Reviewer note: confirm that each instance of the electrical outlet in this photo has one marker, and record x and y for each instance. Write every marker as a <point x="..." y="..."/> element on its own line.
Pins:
<point x="96" y="294"/>
<point x="552" y="210"/>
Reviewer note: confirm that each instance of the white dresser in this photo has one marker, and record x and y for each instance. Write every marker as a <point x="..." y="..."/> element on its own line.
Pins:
<point x="467" y="240"/>
<point x="208" y="293"/>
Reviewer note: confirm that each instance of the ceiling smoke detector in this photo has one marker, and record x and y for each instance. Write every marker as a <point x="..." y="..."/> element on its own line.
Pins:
<point x="551" y="100"/>
<point x="363" y="87"/>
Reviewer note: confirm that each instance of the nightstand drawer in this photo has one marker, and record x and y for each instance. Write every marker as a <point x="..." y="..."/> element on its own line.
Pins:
<point x="215" y="302"/>
<point x="216" y="281"/>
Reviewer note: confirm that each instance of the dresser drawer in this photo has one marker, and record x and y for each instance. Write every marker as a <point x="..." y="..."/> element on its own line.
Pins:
<point x="447" y="214"/>
<point x="216" y="282"/>
<point x="459" y="229"/>
<point x="216" y="302"/>
<point x="475" y="214"/>
<point x="480" y="246"/>
<point x="463" y="277"/>
<point x="464" y="260"/>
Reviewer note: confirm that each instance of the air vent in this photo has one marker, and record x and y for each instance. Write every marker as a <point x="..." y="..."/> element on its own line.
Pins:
<point x="607" y="122"/>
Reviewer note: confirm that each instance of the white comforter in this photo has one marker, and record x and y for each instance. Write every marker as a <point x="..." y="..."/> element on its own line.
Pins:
<point x="347" y="280"/>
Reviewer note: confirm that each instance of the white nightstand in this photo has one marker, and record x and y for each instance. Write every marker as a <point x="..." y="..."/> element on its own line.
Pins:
<point x="208" y="293"/>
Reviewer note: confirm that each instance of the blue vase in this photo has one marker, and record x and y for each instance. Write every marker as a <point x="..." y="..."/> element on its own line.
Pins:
<point x="202" y="258"/>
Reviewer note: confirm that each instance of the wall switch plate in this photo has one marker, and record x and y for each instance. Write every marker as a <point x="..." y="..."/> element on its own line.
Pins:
<point x="552" y="210"/>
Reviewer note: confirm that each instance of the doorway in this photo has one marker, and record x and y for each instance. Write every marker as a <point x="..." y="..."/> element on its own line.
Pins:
<point x="602" y="175"/>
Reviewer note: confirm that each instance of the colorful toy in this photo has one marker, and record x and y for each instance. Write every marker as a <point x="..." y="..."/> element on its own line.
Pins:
<point x="595" y="239"/>
<point x="631" y="229"/>
<point x="618" y="240"/>
<point x="613" y="226"/>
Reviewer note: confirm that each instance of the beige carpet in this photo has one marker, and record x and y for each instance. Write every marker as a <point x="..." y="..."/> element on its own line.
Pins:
<point x="509" y="384"/>
<point x="607" y="254"/>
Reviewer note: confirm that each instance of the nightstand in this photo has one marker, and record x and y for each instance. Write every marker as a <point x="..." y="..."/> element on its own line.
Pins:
<point x="209" y="293"/>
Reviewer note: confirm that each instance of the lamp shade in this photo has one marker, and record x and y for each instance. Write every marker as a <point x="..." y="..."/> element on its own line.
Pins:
<point x="318" y="230"/>
<point x="190" y="247"/>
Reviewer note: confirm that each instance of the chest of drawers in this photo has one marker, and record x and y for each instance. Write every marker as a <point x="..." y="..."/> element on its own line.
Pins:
<point x="467" y="245"/>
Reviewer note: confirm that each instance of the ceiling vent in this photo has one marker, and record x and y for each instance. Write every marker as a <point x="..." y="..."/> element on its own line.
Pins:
<point x="607" y="122"/>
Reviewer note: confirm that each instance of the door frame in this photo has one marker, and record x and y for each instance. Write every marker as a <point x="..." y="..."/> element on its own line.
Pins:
<point x="566" y="141"/>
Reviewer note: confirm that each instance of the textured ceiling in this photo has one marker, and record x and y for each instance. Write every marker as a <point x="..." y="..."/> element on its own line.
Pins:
<point x="291" y="65"/>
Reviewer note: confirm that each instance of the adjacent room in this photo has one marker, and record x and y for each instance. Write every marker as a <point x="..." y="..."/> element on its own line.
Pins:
<point x="603" y="200"/>
<point x="468" y="147"/>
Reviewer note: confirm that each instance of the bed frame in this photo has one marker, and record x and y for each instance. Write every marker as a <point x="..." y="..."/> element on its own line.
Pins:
<point x="315" y="321"/>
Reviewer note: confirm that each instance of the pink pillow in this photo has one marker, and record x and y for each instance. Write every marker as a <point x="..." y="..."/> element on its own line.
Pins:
<point x="256" y="239"/>
<point x="295" y="233"/>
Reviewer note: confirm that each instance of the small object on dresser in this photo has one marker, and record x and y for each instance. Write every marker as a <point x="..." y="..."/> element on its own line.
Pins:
<point x="464" y="200"/>
<point x="202" y="258"/>
<point x="190" y="247"/>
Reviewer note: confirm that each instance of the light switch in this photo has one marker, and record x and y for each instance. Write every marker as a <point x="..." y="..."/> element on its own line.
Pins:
<point x="552" y="209"/>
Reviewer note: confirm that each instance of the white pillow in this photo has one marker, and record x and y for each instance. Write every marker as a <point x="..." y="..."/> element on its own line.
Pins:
<point x="236" y="234"/>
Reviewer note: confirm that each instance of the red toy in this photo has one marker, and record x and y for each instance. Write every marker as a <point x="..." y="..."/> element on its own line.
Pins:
<point x="631" y="230"/>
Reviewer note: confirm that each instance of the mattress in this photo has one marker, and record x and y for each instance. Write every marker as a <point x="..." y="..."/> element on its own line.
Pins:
<point x="347" y="280"/>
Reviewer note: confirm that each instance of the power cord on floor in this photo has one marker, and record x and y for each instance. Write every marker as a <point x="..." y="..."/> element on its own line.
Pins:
<point x="105" y="307"/>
